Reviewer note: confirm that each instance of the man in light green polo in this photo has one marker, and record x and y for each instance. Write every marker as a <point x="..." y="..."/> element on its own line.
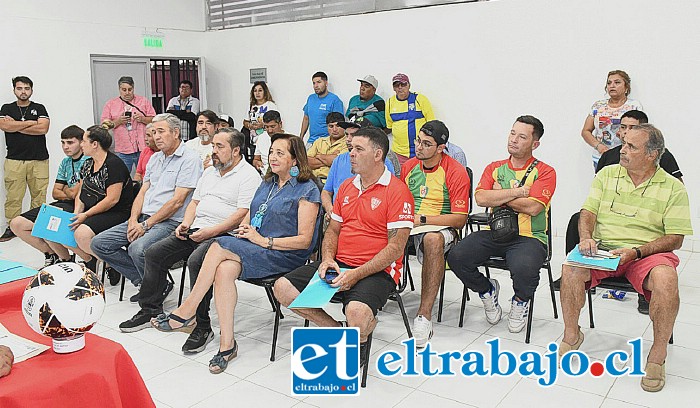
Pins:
<point x="642" y="213"/>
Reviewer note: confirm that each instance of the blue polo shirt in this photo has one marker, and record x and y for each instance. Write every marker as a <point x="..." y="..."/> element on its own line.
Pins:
<point x="341" y="171"/>
<point x="165" y="173"/>
<point x="317" y="109"/>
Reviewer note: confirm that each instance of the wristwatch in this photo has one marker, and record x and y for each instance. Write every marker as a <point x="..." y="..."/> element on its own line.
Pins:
<point x="639" y="253"/>
<point x="423" y="219"/>
<point x="145" y="226"/>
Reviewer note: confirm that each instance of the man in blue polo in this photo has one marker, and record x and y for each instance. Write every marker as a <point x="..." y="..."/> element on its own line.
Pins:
<point x="171" y="177"/>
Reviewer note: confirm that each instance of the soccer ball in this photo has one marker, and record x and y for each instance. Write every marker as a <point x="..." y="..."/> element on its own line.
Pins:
<point x="63" y="301"/>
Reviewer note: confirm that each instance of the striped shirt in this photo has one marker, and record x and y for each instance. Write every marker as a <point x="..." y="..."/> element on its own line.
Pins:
<point x="629" y="216"/>
<point x="542" y="181"/>
<point x="444" y="189"/>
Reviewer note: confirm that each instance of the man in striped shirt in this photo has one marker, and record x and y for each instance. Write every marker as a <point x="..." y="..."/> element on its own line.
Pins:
<point x="642" y="213"/>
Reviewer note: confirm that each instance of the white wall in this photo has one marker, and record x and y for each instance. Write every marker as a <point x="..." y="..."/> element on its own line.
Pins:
<point x="484" y="64"/>
<point x="481" y="65"/>
<point x="51" y="42"/>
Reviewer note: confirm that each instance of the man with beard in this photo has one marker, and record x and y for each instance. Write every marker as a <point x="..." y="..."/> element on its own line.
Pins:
<point x="220" y="202"/>
<point x="25" y="124"/>
<point x="318" y="105"/>
<point x="207" y="123"/>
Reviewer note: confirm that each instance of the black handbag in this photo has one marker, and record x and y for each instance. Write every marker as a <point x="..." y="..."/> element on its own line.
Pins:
<point x="503" y="220"/>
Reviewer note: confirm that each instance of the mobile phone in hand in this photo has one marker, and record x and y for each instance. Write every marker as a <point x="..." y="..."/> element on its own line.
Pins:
<point x="330" y="275"/>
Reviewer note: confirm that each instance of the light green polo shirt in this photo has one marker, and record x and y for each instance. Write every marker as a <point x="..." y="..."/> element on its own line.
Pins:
<point x="629" y="216"/>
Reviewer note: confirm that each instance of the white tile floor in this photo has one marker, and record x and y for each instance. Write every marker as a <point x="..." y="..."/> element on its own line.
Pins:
<point x="175" y="380"/>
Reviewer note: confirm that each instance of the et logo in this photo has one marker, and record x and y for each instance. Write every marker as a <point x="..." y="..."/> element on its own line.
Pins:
<point x="325" y="361"/>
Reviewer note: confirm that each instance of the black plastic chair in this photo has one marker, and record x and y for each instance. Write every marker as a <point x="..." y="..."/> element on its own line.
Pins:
<point x="460" y="234"/>
<point x="500" y="263"/>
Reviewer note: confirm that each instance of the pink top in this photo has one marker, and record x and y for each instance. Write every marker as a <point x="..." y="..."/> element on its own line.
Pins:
<point x="146" y="154"/>
<point x="128" y="141"/>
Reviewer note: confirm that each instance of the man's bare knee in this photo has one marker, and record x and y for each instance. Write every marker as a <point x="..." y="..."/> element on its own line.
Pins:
<point x="358" y="314"/>
<point x="283" y="291"/>
<point x="573" y="274"/>
<point x="662" y="279"/>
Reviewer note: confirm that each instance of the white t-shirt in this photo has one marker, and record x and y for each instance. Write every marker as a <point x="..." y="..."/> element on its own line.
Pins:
<point x="262" y="149"/>
<point x="256" y="113"/>
<point x="219" y="197"/>
<point x="606" y="122"/>
<point x="203" y="150"/>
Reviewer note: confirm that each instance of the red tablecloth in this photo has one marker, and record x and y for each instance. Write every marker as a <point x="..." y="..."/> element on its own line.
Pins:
<point x="100" y="375"/>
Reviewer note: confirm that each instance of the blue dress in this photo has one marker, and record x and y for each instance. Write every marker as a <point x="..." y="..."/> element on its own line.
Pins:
<point x="280" y="220"/>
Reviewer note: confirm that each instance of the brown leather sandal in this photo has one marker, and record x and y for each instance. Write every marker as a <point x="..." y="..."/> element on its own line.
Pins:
<point x="655" y="377"/>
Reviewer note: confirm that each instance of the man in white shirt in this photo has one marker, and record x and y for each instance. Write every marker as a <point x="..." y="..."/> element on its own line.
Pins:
<point x="219" y="203"/>
<point x="207" y="124"/>
<point x="272" y="123"/>
<point x="185" y="107"/>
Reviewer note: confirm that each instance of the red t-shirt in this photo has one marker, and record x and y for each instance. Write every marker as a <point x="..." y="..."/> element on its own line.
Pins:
<point x="366" y="218"/>
<point x="146" y="154"/>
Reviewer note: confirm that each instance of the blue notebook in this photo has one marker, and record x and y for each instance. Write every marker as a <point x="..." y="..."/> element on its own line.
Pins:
<point x="316" y="295"/>
<point x="52" y="224"/>
<point x="602" y="260"/>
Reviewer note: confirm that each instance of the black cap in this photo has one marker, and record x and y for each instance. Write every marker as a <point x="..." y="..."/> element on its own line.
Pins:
<point x="437" y="130"/>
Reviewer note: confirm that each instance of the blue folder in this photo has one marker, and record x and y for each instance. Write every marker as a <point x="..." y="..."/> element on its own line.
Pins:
<point x="16" y="273"/>
<point x="603" y="260"/>
<point x="316" y="294"/>
<point x="52" y="225"/>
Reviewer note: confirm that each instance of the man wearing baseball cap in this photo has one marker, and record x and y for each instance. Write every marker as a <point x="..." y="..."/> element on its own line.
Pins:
<point x="368" y="105"/>
<point x="440" y="188"/>
<point x="406" y="114"/>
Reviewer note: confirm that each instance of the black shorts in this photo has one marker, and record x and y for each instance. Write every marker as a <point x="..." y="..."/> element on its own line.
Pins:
<point x="373" y="290"/>
<point x="65" y="205"/>
<point x="106" y="220"/>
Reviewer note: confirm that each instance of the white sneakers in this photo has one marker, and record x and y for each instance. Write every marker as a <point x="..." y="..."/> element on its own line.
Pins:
<point x="422" y="331"/>
<point x="490" y="299"/>
<point x="517" y="318"/>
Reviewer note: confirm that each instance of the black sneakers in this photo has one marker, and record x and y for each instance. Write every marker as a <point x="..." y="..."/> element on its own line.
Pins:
<point x="7" y="235"/>
<point x="114" y="276"/>
<point x="642" y="305"/>
<point x="140" y="321"/>
<point x="198" y="340"/>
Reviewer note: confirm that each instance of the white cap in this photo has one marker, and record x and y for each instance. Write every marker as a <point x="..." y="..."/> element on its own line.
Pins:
<point x="370" y="80"/>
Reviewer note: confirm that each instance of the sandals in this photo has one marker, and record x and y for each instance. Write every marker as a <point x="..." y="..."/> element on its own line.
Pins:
<point x="655" y="377"/>
<point x="219" y="362"/>
<point x="566" y="347"/>
<point x="162" y="323"/>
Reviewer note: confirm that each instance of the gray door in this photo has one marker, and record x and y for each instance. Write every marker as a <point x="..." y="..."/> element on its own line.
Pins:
<point x="106" y="71"/>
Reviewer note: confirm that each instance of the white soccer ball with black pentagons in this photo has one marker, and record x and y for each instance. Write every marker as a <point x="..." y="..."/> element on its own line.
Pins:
<point x="63" y="300"/>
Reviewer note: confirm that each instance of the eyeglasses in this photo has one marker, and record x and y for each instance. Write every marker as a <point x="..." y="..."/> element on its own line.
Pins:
<point x="617" y="193"/>
<point x="423" y="143"/>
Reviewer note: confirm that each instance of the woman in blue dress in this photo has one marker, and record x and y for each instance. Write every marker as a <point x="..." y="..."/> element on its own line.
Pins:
<point x="277" y="236"/>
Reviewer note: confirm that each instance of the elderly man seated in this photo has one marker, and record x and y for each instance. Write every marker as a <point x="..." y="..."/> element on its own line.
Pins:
<point x="642" y="212"/>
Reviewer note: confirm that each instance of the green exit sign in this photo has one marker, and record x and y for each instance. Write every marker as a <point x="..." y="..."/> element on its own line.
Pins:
<point x="152" y="42"/>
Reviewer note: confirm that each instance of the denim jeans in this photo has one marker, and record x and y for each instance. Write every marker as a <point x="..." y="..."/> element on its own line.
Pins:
<point x="130" y="159"/>
<point x="524" y="257"/>
<point x="128" y="258"/>
<point x="160" y="257"/>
